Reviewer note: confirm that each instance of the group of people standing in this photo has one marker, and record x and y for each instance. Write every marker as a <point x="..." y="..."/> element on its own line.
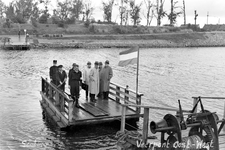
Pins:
<point x="95" y="81"/>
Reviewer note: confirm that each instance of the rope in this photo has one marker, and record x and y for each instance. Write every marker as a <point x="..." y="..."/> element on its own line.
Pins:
<point x="122" y="136"/>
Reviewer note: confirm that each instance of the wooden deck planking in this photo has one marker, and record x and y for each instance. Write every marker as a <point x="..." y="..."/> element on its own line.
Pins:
<point x="110" y="109"/>
<point x="113" y="108"/>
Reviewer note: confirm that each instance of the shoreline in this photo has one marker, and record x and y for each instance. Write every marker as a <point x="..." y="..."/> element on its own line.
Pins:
<point x="165" y="40"/>
<point x="110" y="45"/>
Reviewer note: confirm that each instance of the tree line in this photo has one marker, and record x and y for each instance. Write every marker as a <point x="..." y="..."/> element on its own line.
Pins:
<point x="68" y="11"/>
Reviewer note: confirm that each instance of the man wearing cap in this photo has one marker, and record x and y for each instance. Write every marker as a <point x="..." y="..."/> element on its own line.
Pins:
<point x="61" y="78"/>
<point x="86" y="77"/>
<point x="53" y="72"/>
<point x="94" y="82"/>
<point x="75" y="82"/>
<point x="107" y="74"/>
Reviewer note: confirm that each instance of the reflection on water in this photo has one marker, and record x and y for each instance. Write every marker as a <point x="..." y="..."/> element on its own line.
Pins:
<point x="166" y="75"/>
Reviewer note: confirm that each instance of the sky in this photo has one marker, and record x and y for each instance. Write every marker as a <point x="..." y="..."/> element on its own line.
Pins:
<point x="215" y="9"/>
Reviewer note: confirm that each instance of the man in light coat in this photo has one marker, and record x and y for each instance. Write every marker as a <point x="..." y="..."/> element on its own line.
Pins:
<point x="94" y="82"/>
<point x="86" y="78"/>
<point x="107" y="74"/>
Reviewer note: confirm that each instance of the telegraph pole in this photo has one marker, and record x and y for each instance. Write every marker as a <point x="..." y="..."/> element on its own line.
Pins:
<point x="196" y="15"/>
<point x="207" y="17"/>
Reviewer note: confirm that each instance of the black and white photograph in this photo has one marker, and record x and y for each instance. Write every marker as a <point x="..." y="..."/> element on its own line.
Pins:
<point x="112" y="75"/>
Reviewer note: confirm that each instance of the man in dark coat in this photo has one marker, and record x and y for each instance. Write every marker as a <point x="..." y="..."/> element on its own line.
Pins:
<point x="61" y="78"/>
<point x="107" y="74"/>
<point x="75" y="82"/>
<point x="53" y="73"/>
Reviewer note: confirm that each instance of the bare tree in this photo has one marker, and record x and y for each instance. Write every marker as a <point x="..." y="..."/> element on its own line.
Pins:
<point x="2" y="9"/>
<point x="160" y="13"/>
<point x="77" y="7"/>
<point x="45" y="3"/>
<point x="107" y="8"/>
<point x="135" y="12"/>
<point x="184" y="12"/>
<point x="173" y="14"/>
<point x="63" y="10"/>
<point x="123" y="11"/>
<point x="20" y="11"/>
<point x="88" y="9"/>
<point x="150" y="12"/>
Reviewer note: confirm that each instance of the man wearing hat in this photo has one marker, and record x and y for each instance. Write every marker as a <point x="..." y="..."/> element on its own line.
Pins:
<point x="107" y="74"/>
<point x="53" y="72"/>
<point x="75" y="82"/>
<point x="61" y="78"/>
<point x="94" y="82"/>
<point x="86" y="78"/>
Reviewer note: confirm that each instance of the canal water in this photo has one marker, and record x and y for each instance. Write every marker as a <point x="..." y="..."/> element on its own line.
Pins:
<point x="165" y="76"/>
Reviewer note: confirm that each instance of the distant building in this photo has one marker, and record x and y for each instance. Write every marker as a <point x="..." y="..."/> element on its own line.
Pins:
<point x="214" y="27"/>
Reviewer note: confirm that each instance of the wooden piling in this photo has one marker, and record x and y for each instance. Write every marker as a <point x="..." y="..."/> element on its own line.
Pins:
<point x="123" y="119"/>
<point x="138" y="102"/>
<point x="70" y="110"/>
<point x="145" y="125"/>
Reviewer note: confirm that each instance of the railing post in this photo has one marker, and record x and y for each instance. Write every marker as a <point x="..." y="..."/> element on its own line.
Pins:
<point x="117" y="93"/>
<point x="46" y="87"/>
<point x="126" y="97"/>
<point x="195" y="100"/>
<point x="57" y="98"/>
<point x="145" y="125"/>
<point x="70" y="110"/>
<point x="50" y="91"/>
<point x="123" y="119"/>
<point x="62" y="104"/>
<point x="43" y="85"/>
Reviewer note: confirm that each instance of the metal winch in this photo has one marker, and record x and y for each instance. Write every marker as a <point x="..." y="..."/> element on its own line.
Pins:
<point x="203" y="132"/>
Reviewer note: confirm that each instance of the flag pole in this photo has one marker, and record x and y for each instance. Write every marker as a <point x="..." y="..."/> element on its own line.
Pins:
<point x="137" y="77"/>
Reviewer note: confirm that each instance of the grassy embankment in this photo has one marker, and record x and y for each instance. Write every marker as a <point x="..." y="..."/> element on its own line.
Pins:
<point x="107" y="36"/>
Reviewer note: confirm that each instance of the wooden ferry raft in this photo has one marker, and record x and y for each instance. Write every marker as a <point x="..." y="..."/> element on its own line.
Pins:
<point x="7" y="45"/>
<point x="61" y="109"/>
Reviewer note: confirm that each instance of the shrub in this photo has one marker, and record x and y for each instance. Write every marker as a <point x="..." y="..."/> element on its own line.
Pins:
<point x="61" y="24"/>
<point x="117" y="29"/>
<point x="87" y="23"/>
<point x="92" y="29"/>
<point x="43" y="19"/>
<point x="7" y="24"/>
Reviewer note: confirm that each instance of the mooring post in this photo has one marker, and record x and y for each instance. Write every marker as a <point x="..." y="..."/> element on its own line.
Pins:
<point x="118" y="93"/>
<point x="195" y="100"/>
<point x="145" y="125"/>
<point x="70" y="110"/>
<point x="123" y="119"/>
